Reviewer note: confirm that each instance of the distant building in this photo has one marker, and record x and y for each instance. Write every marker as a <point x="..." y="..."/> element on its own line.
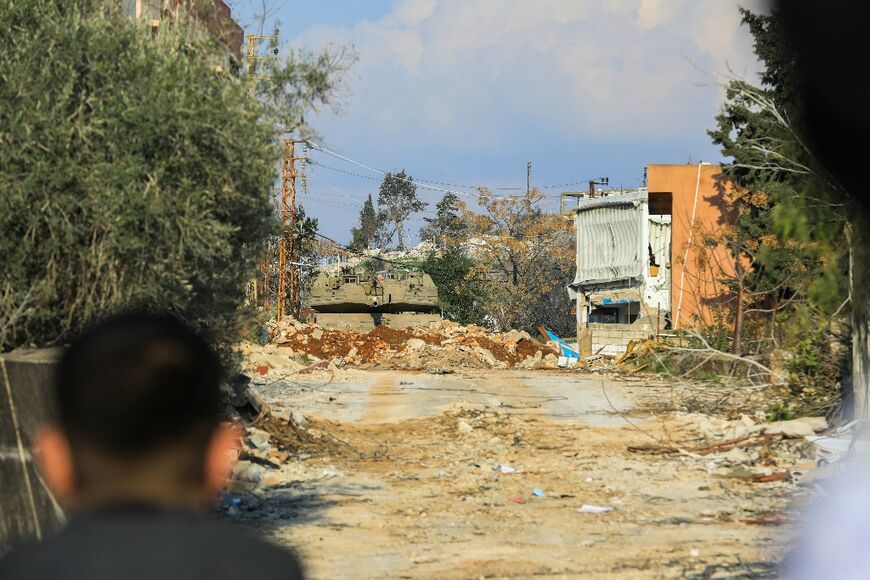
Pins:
<point x="214" y="15"/>
<point x="644" y="260"/>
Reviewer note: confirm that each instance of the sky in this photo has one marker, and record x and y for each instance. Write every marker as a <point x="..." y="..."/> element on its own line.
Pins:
<point x="467" y="92"/>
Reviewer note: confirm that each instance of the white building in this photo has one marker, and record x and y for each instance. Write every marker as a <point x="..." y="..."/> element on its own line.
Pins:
<point x="622" y="285"/>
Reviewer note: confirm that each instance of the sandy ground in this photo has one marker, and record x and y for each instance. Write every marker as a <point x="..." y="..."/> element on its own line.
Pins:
<point x="411" y="483"/>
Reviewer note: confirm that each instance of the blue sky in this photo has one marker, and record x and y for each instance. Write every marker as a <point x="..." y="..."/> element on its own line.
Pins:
<point x="467" y="91"/>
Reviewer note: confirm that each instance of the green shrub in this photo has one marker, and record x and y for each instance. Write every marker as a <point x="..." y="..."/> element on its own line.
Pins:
<point x="460" y="294"/>
<point x="132" y="172"/>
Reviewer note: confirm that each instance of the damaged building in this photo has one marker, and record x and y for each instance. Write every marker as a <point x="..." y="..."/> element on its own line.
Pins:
<point x="638" y="266"/>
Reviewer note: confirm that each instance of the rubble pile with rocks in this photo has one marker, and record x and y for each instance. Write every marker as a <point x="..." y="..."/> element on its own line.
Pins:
<point x="751" y="449"/>
<point x="294" y="347"/>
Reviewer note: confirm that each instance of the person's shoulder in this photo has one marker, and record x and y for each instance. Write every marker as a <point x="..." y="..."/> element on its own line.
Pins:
<point x="254" y="556"/>
<point x="23" y="562"/>
<point x="229" y="550"/>
<point x="169" y="545"/>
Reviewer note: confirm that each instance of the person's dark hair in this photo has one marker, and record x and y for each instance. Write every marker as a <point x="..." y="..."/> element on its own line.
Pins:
<point x="138" y="382"/>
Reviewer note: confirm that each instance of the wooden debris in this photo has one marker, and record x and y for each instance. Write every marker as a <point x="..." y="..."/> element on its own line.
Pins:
<point x="653" y="449"/>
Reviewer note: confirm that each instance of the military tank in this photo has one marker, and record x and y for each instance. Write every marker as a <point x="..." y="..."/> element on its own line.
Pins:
<point x="359" y="299"/>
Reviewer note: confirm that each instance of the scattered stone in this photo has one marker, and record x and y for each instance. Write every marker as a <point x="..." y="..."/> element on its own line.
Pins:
<point x="247" y="472"/>
<point x="796" y="427"/>
<point x="415" y="344"/>
<point x="258" y="438"/>
<point x="516" y="335"/>
<point x="464" y="428"/>
<point x="298" y="419"/>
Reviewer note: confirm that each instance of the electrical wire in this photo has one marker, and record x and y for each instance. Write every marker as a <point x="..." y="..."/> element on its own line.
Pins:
<point x="319" y="164"/>
<point x="418" y="183"/>
<point x="423" y="183"/>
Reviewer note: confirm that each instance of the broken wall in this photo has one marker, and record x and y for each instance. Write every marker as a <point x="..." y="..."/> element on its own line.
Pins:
<point x="623" y="270"/>
<point x="698" y="210"/>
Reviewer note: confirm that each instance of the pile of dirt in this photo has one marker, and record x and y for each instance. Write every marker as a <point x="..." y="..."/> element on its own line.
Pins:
<point x="441" y="346"/>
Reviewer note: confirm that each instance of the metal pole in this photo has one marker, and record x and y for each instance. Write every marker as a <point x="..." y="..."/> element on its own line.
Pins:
<point x="286" y="180"/>
<point x="251" y="79"/>
<point x="528" y="178"/>
<point x="293" y="274"/>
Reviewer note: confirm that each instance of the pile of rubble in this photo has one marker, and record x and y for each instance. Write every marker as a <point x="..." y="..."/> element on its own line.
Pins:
<point x="753" y="450"/>
<point x="294" y="346"/>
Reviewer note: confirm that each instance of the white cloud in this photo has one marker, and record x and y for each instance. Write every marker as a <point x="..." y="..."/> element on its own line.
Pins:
<point x="473" y="72"/>
<point x="654" y="12"/>
<point x="413" y="12"/>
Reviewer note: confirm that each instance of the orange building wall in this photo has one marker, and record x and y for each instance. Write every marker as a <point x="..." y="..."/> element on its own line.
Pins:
<point x="697" y="294"/>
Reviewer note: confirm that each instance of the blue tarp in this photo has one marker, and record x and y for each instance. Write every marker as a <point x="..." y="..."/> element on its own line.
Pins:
<point x="567" y="349"/>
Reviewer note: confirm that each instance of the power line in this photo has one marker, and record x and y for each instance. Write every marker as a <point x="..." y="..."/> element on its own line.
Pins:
<point x="382" y="172"/>
<point x="423" y="183"/>
<point x="319" y="164"/>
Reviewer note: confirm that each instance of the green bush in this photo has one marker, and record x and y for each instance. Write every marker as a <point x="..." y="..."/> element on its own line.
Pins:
<point x="460" y="294"/>
<point x="132" y="172"/>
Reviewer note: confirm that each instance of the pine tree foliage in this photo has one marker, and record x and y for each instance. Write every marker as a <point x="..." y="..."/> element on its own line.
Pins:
<point x="447" y="223"/>
<point x="788" y="230"/>
<point x="364" y="235"/>
<point x="397" y="200"/>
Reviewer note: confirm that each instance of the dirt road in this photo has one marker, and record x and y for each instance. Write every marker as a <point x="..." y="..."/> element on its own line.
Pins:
<point x="485" y="474"/>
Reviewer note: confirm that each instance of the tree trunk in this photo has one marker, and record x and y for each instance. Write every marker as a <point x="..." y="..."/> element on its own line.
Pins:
<point x="737" y="346"/>
<point x="399" y="226"/>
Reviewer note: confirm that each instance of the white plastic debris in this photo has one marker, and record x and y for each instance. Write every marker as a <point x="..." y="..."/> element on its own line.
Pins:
<point x="593" y="509"/>
<point x="835" y="444"/>
<point x="568" y="362"/>
<point x="506" y="469"/>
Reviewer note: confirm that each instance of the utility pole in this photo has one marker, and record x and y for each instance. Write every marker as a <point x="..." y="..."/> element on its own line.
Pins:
<point x="251" y="79"/>
<point x="288" y="277"/>
<point x="252" y="57"/>
<point x="593" y="183"/>
<point x="528" y="178"/>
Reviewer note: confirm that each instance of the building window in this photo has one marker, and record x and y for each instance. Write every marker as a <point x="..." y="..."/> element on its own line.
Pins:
<point x="604" y="315"/>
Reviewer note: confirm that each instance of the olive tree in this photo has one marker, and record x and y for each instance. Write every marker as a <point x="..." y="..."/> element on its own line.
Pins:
<point x="133" y="171"/>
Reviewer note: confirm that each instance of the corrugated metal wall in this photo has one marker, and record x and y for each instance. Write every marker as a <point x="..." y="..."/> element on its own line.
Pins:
<point x="610" y="239"/>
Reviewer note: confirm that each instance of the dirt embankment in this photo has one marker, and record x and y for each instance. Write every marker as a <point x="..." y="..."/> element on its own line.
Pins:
<point x="440" y="347"/>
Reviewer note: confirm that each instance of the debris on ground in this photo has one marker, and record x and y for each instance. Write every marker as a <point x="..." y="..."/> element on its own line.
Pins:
<point x="466" y="485"/>
<point x="293" y="347"/>
<point x="593" y="509"/>
<point x="327" y="455"/>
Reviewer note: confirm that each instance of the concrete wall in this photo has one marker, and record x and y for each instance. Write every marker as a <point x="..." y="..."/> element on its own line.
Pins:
<point x="214" y="15"/>
<point x="27" y="509"/>
<point x="614" y="338"/>
<point x="698" y="210"/>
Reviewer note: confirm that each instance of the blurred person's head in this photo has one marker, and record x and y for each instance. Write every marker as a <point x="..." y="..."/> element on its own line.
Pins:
<point x="138" y="416"/>
<point x="831" y="52"/>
